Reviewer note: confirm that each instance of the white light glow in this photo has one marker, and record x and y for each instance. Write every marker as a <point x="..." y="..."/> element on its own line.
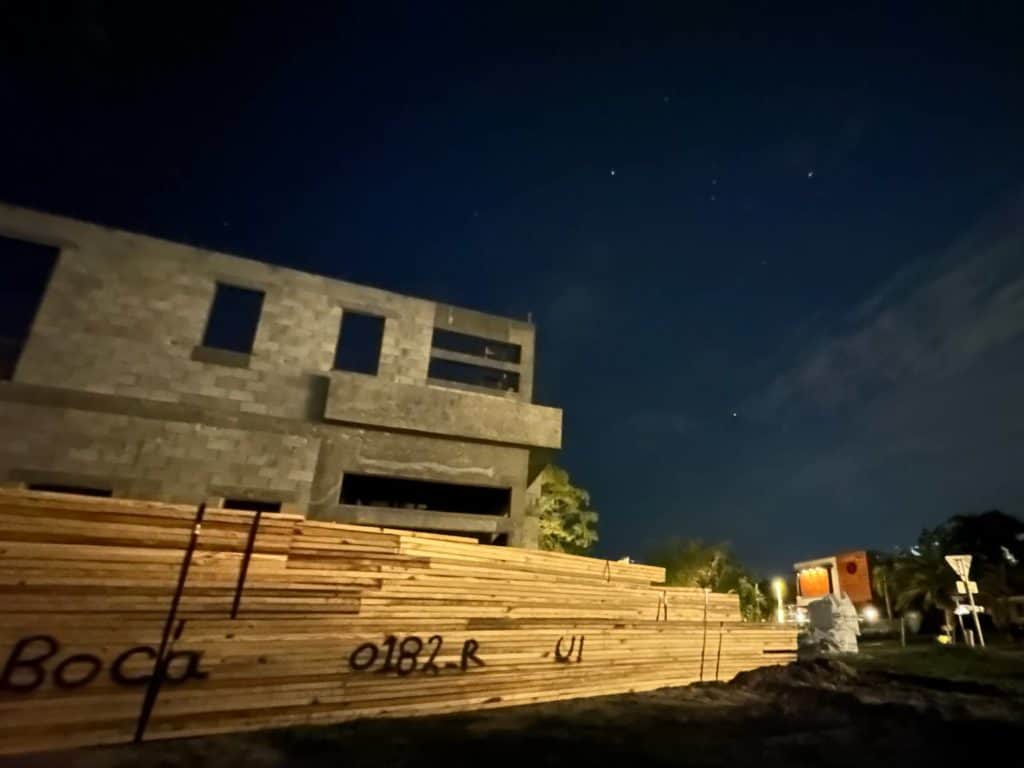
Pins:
<point x="778" y="585"/>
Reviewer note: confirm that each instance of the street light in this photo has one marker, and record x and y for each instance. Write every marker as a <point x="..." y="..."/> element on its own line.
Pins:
<point x="779" y="587"/>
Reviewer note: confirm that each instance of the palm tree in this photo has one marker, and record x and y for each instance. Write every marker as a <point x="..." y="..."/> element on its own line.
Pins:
<point x="754" y="604"/>
<point x="692" y="563"/>
<point x="996" y="540"/>
<point x="881" y="577"/>
<point x="922" y="577"/>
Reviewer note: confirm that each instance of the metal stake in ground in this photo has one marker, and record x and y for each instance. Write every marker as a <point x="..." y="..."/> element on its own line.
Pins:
<point x="961" y="565"/>
<point x="160" y="662"/>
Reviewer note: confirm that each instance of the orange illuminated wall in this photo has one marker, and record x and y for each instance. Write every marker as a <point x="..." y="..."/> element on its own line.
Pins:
<point x="854" y="576"/>
<point x="813" y="582"/>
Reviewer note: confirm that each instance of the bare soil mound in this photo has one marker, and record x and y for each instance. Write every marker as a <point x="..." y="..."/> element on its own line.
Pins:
<point x="818" y="673"/>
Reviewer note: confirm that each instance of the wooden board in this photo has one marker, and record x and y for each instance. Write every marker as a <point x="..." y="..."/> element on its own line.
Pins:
<point x="129" y="620"/>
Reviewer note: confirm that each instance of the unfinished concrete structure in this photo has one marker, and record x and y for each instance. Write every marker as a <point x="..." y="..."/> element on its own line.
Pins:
<point x="163" y="371"/>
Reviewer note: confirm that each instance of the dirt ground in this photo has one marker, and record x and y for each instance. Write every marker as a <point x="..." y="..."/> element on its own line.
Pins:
<point x="919" y="706"/>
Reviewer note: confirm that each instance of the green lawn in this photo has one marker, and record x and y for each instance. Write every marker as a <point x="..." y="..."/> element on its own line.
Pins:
<point x="1001" y="665"/>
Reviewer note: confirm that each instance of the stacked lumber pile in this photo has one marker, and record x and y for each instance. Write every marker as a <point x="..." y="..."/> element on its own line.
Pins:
<point x="127" y="620"/>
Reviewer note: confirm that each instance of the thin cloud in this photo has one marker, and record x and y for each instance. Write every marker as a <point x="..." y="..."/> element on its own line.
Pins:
<point x="924" y="325"/>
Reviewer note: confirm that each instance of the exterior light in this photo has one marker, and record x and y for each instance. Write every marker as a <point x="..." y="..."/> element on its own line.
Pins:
<point x="870" y="614"/>
<point x="779" y="588"/>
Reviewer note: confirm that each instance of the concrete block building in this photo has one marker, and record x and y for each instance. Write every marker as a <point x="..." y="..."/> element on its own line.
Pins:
<point x="155" y="370"/>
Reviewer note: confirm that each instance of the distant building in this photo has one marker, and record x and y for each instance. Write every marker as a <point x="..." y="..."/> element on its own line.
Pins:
<point x="162" y="371"/>
<point x="847" y="573"/>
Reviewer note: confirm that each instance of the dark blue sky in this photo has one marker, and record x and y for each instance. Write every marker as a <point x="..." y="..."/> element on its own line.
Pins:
<point x="814" y="223"/>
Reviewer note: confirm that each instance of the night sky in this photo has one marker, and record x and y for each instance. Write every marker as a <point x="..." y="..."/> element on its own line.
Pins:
<point x="776" y="262"/>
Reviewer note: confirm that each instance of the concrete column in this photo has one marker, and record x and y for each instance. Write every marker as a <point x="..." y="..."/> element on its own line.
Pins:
<point x="326" y="488"/>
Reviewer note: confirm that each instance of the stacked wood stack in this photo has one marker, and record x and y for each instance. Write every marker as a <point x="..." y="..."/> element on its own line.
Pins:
<point x="127" y="620"/>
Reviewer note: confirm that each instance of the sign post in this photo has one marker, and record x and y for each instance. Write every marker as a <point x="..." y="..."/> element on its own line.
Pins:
<point x="961" y="565"/>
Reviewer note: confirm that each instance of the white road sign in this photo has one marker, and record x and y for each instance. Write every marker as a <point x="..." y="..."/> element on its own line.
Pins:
<point x="961" y="564"/>
<point x="966" y="610"/>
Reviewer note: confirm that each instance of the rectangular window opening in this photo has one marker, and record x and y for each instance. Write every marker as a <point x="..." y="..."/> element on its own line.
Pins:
<point x="359" y="343"/>
<point x="25" y="270"/>
<point x="233" y="318"/>
<point x="466" y="344"/>
<point x="473" y="375"/>
<point x="403" y="493"/>
<point x="252" y="505"/>
<point x="77" y="490"/>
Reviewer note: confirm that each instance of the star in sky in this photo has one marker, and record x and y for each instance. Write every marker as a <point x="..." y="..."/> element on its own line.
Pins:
<point x="613" y="171"/>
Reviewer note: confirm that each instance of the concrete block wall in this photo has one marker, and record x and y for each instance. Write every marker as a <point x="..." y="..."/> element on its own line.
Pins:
<point x="113" y="384"/>
<point x="124" y="314"/>
<point x="405" y="348"/>
<point x="153" y="458"/>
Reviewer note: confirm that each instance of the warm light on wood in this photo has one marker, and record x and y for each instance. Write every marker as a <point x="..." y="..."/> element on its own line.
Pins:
<point x="334" y="622"/>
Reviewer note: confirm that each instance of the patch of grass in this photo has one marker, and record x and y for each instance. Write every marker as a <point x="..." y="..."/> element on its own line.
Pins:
<point x="1003" y="666"/>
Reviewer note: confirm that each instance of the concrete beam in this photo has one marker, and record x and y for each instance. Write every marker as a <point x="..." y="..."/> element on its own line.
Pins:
<point x="484" y="362"/>
<point x="357" y="399"/>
